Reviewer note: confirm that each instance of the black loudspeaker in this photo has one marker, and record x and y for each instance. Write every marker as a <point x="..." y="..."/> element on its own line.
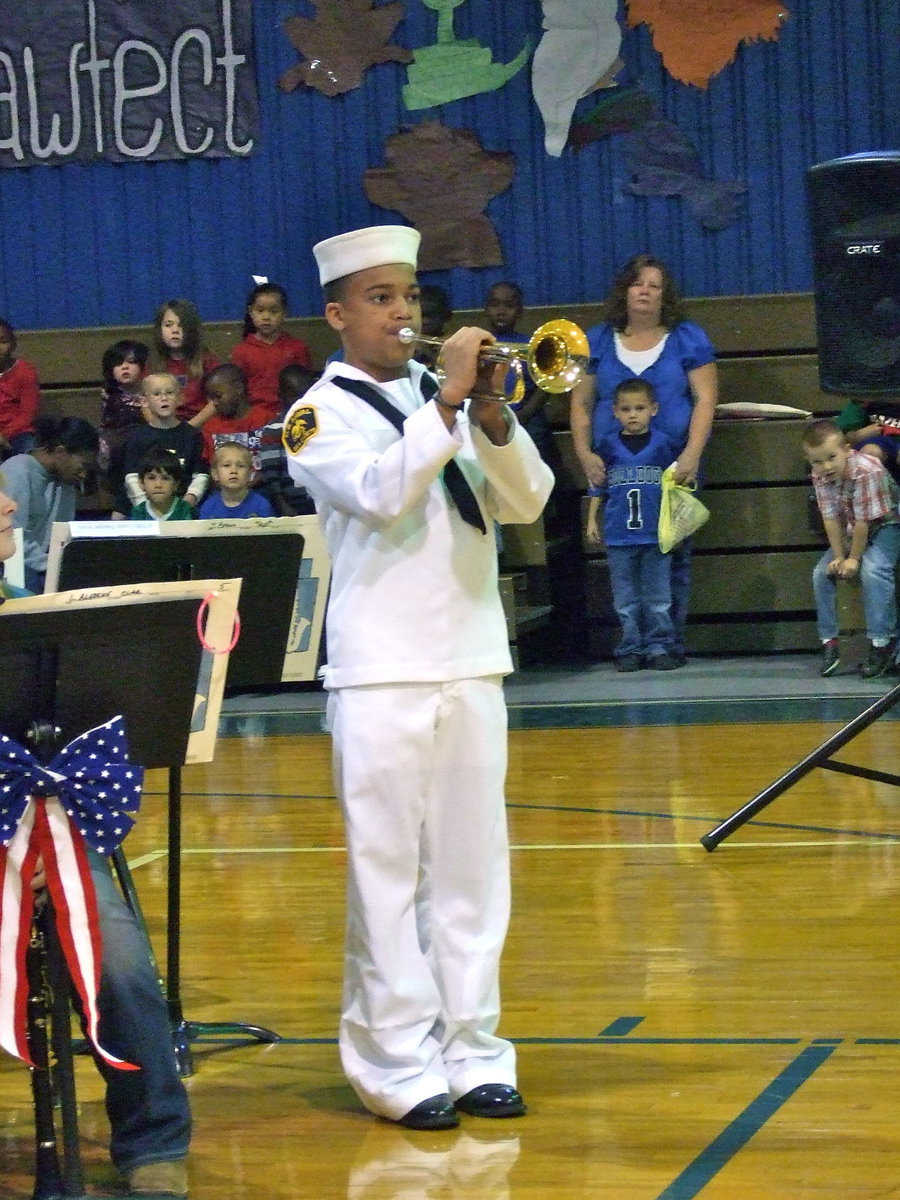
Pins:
<point x="854" y="205"/>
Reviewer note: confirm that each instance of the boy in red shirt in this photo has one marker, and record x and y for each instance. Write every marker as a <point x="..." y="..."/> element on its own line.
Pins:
<point x="19" y="397"/>
<point x="235" y="418"/>
<point x="858" y="501"/>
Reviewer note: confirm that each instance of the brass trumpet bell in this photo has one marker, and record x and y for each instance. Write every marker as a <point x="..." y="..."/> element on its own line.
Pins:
<point x="556" y="356"/>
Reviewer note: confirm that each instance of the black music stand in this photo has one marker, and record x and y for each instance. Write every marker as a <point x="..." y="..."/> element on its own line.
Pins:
<point x="268" y="565"/>
<point x="820" y="757"/>
<point x="65" y="671"/>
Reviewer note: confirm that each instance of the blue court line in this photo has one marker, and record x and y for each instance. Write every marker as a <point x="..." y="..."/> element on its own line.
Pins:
<point x="621" y="1026"/>
<point x="735" y="1136"/>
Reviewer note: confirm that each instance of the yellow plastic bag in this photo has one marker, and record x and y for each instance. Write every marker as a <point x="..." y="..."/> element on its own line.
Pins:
<point x="680" y="512"/>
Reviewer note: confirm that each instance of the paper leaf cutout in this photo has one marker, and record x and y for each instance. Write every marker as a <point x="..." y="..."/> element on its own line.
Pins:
<point x="697" y="38"/>
<point x="454" y="68"/>
<point x="620" y="110"/>
<point x="340" y="43"/>
<point x="662" y="162"/>
<point x="577" y="54"/>
<point x="441" y="180"/>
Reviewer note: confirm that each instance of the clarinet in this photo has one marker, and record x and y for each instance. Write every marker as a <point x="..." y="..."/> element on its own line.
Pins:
<point x="47" y="1174"/>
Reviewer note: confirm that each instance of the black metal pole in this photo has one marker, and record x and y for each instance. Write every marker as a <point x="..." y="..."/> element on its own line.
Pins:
<point x="817" y="758"/>
<point x="61" y="1042"/>
<point x="180" y="1031"/>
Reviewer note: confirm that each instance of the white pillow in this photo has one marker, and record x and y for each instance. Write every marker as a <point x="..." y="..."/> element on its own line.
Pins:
<point x="747" y="408"/>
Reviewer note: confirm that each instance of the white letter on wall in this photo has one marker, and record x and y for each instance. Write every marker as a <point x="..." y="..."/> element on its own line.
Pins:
<point x="11" y="98"/>
<point x="54" y="145"/>
<point x="195" y="35"/>
<point x="124" y="94"/>
<point x="230" y="61"/>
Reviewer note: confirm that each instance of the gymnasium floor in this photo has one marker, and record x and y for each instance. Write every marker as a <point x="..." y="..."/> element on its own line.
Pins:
<point x="720" y="1026"/>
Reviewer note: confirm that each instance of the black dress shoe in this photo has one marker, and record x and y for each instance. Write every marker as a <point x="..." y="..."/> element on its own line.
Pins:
<point x="492" y="1100"/>
<point x="435" y="1113"/>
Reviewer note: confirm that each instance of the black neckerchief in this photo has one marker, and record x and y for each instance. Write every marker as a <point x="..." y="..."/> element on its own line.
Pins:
<point x="458" y="486"/>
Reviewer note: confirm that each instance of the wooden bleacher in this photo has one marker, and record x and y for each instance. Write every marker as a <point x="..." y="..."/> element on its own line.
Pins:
<point x="68" y="360"/>
<point x="752" y="589"/>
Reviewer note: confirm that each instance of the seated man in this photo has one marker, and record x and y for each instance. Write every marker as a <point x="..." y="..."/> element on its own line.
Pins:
<point x="148" y="1108"/>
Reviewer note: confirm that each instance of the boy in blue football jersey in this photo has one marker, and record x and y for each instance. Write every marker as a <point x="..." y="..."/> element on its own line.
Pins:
<point x="639" y="572"/>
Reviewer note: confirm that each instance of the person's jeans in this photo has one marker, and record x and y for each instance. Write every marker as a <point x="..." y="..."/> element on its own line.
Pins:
<point x="642" y="597"/>
<point x="877" y="577"/>
<point x="147" y="1109"/>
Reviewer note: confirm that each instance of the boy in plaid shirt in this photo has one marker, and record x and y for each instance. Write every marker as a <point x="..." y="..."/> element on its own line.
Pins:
<point x="858" y="501"/>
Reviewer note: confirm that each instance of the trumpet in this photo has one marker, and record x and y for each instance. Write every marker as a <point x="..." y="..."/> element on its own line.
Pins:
<point x="556" y="356"/>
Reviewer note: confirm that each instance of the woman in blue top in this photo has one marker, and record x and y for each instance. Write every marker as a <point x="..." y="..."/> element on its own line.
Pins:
<point x="646" y="336"/>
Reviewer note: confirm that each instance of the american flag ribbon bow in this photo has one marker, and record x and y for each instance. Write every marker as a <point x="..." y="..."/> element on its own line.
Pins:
<point x="47" y="813"/>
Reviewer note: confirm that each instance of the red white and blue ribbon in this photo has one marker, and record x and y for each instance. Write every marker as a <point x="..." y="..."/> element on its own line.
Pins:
<point x="47" y="813"/>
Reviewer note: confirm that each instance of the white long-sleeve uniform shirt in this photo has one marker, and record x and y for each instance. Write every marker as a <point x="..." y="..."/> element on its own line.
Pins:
<point x="414" y="593"/>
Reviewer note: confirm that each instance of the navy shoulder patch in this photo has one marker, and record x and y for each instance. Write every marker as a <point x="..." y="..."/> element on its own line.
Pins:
<point x="302" y="425"/>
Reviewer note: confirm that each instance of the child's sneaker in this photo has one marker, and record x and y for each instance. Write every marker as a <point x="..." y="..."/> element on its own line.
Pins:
<point x="878" y="660"/>
<point x="831" y="657"/>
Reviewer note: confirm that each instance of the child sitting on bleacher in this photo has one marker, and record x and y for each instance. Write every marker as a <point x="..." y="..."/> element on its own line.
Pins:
<point x="235" y="419"/>
<point x="275" y="483"/>
<point x="503" y="308"/>
<point x="179" y="350"/>
<point x="161" y="478"/>
<point x="232" y="470"/>
<point x="858" y="501"/>
<point x="436" y="315"/>
<point x="872" y="426"/>
<point x="266" y="348"/>
<point x="121" y="405"/>
<point x="19" y="396"/>
<point x="161" y="396"/>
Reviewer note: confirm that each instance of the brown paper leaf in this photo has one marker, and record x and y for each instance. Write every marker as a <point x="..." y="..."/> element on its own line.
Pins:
<point x="340" y="43"/>
<point x="441" y="180"/>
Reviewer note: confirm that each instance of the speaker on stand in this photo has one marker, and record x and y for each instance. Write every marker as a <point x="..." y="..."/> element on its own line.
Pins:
<point x="854" y="205"/>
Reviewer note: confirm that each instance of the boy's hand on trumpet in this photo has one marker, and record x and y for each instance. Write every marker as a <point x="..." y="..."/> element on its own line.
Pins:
<point x="463" y="373"/>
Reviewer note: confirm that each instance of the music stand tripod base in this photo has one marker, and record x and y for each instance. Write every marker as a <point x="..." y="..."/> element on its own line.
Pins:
<point x="820" y="757"/>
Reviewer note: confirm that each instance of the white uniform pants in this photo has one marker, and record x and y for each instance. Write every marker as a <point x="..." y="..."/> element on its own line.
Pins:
<point x="420" y="770"/>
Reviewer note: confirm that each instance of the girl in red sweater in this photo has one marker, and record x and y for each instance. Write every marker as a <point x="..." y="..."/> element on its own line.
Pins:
<point x="179" y="351"/>
<point x="266" y="350"/>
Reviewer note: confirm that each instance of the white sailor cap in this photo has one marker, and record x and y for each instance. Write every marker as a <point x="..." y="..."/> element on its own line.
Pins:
<point x="360" y="249"/>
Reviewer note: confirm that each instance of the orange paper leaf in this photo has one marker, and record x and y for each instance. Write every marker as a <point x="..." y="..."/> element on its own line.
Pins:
<point x="697" y="38"/>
